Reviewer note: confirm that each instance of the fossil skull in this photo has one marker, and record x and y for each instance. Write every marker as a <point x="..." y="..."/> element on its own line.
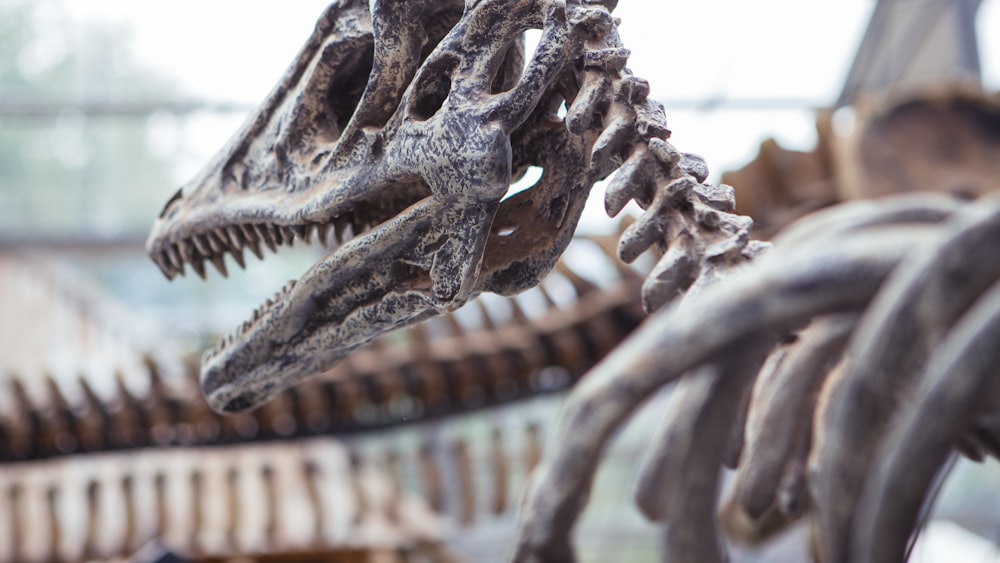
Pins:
<point x="406" y="122"/>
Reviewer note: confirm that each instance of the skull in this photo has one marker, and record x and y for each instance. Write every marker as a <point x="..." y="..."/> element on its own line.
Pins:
<point x="405" y="123"/>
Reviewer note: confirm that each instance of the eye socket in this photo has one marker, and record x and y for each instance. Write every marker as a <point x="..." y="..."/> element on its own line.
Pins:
<point x="348" y="85"/>
<point x="432" y="88"/>
<point x="176" y="197"/>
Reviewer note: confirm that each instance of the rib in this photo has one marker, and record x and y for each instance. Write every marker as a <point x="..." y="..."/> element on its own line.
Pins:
<point x="787" y="289"/>
<point x="899" y="331"/>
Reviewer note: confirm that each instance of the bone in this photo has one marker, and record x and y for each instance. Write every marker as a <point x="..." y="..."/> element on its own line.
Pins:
<point x="303" y="232"/>
<point x="217" y="242"/>
<point x="859" y="215"/>
<point x="93" y="520"/>
<point x="265" y="235"/>
<point x="237" y="255"/>
<point x="18" y="533"/>
<point x="392" y="465"/>
<point x="822" y="280"/>
<point x="735" y="444"/>
<point x="176" y="263"/>
<point x="500" y="473"/>
<point x="466" y="482"/>
<point x="237" y="238"/>
<point x="219" y="264"/>
<point x="271" y="500"/>
<point x="909" y="318"/>
<point x="678" y="480"/>
<point x="199" y="268"/>
<point x="197" y="489"/>
<point x="673" y="274"/>
<point x="201" y="243"/>
<point x="233" y="508"/>
<point x="322" y="231"/>
<point x="631" y="181"/>
<point x="959" y="382"/>
<point x="163" y="261"/>
<point x="340" y="230"/>
<point x="55" y="531"/>
<point x="586" y="111"/>
<point x="430" y="472"/>
<point x="781" y="410"/>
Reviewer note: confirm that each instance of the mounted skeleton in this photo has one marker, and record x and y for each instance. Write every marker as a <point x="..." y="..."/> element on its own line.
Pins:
<point x="414" y="118"/>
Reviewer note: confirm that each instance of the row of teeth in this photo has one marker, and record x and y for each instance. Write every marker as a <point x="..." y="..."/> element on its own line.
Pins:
<point x="213" y="245"/>
<point x="257" y="314"/>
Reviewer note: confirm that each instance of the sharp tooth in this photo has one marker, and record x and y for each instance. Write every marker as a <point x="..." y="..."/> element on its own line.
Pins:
<point x="277" y="234"/>
<point x="236" y="240"/>
<point x="220" y="265"/>
<point x="264" y="233"/>
<point x="175" y="258"/>
<point x="339" y="231"/>
<point x="249" y="233"/>
<point x="217" y="241"/>
<point x="289" y="235"/>
<point x="199" y="267"/>
<point x="164" y="264"/>
<point x="303" y="232"/>
<point x="238" y="256"/>
<point x="322" y="229"/>
<point x="357" y="225"/>
<point x="201" y="243"/>
<point x="187" y="251"/>
<point x="254" y="247"/>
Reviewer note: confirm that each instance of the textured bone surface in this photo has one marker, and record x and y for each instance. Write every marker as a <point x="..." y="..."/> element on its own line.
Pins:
<point x="405" y="123"/>
<point x="440" y="368"/>
<point x="905" y="294"/>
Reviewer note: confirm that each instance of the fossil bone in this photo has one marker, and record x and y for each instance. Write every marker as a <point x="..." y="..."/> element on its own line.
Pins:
<point x="421" y="149"/>
<point x="412" y="119"/>
<point x="782" y="291"/>
<point x="405" y="123"/>
<point x="915" y="266"/>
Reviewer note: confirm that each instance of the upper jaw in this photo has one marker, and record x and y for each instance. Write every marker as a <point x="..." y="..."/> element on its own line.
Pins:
<point x="435" y="202"/>
<point x="206" y="221"/>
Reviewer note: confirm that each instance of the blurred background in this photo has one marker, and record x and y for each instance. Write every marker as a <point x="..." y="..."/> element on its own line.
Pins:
<point x="107" y="106"/>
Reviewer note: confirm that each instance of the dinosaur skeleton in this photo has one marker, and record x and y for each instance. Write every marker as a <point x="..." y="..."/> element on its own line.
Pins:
<point x="79" y="469"/>
<point x="446" y="368"/>
<point x="902" y="293"/>
<point x="425" y="151"/>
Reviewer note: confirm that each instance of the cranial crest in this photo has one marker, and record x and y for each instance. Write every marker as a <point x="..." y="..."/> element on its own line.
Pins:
<point x="406" y="122"/>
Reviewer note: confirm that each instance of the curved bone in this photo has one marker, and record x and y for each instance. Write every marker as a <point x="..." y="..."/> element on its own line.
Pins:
<point x="782" y="400"/>
<point x="678" y="480"/>
<point x="866" y="214"/>
<point x="895" y="337"/>
<point x="781" y="291"/>
<point x="960" y="380"/>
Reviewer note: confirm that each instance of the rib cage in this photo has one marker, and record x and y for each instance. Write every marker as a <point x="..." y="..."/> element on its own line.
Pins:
<point x="288" y="497"/>
<point x="915" y="385"/>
